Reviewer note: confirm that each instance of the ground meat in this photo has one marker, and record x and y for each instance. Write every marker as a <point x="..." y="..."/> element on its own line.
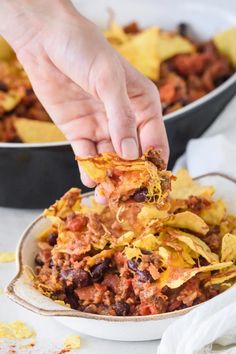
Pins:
<point x="196" y="204"/>
<point x="213" y="239"/>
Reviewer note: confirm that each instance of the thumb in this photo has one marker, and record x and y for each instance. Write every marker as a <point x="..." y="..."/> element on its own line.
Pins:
<point x="111" y="89"/>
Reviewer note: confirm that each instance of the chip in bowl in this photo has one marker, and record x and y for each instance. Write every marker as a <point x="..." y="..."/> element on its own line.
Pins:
<point x="132" y="256"/>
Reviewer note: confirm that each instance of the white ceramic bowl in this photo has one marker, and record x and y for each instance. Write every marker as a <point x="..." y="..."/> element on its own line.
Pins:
<point x="130" y="328"/>
<point x="22" y="166"/>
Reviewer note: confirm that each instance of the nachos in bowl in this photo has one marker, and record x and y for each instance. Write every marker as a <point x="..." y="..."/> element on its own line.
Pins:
<point x="137" y="257"/>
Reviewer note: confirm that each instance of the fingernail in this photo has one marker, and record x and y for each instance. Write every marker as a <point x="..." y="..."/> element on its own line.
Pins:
<point x="99" y="198"/>
<point x="129" y="148"/>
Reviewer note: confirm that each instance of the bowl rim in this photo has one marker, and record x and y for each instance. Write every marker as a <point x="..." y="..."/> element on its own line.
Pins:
<point x="10" y="288"/>
<point x="170" y="116"/>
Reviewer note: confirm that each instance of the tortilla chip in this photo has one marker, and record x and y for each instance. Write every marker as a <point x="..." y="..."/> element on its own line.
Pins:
<point x="171" y="44"/>
<point x="72" y="342"/>
<point x="7" y="257"/>
<point x="149" y="213"/>
<point x="115" y="34"/>
<point x="34" y="131"/>
<point x="171" y="258"/>
<point x="9" y="100"/>
<point x="197" y="245"/>
<point x="6" y="52"/>
<point x="222" y="276"/>
<point x="125" y="239"/>
<point x="119" y="179"/>
<point x="214" y="214"/>
<point x="15" y="330"/>
<point x="228" y="248"/>
<point x="175" y="277"/>
<point x="132" y="252"/>
<point x="70" y="202"/>
<point x="184" y="187"/>
<point x="187" y="254"/>
<point x="189" y="221"/>
<point x="142" y="52"/>
<point x="148" y="242"/>
<point x="225" y="42"/>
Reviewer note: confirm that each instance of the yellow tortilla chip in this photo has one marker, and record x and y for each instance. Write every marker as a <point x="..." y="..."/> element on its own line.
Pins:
<point x="170" y="44"/>
<point x="148" y="242"/>
<point x="149" y="213"/>
<point x="15" y="330"/>
<point x="142" y="52"/>
<point x="225" y="42"/>
<point x="125" y="239"/>
<point x="72" y="342"/>
<point x="189" y="221"/>
<point x="34" y="131"/>
<point x="187" y="254"/>
<point x="214" y="214"/>
<point x="184" y="187"/>
<point x="197" y="245"/>
<point x="175" y="277"/>
<point x="228" y="248"/>
<point x="171" y="258"/>
<point x="7" y="257"/>
<point x="9" y="100"/>
<point x="222" y="276"/>
<point x="132" y="252"/>
<point x="6" y="52"/>
<point x="115" y="34"/>
<point x="70" y="202"/>
<point x="119" y="179"/>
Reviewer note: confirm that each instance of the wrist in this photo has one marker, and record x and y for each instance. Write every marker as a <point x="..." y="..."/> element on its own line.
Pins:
<point x="21" y="20"/>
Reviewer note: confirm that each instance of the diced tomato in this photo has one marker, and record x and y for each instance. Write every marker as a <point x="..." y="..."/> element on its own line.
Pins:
<point x="76" y="222"/>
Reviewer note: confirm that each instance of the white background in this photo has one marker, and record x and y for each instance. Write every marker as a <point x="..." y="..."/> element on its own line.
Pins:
<point x="50" y="334"/>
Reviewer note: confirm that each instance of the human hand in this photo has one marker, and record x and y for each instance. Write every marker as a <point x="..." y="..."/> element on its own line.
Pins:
<point x="97" y="99"/>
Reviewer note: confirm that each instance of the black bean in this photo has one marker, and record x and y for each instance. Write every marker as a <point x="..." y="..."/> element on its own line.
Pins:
<point x="140" y="195"/>
<point x="73" y="301"/>
<point x="52" y="238"/>
<point x="183" y="29"/>
<point x="133" y="265"/>
<point x="122" y="308"/>
<point x="144" y="276"/>
<point x="3" y="86"/>
<point x="81" y="279"/>
<point x="98" y="270"/>
<point x="69" y="290"/>
<point x="38" y="260"/>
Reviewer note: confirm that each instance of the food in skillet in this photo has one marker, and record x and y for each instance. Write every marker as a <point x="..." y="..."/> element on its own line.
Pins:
<point x="22" y="117"/>
<point x="135" y="258"/>
<point x="183" y="68"/>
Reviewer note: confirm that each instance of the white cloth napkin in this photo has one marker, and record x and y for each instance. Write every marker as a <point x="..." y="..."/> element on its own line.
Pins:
<point x="211" y="327"/>
<point x="215" y="151"/>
